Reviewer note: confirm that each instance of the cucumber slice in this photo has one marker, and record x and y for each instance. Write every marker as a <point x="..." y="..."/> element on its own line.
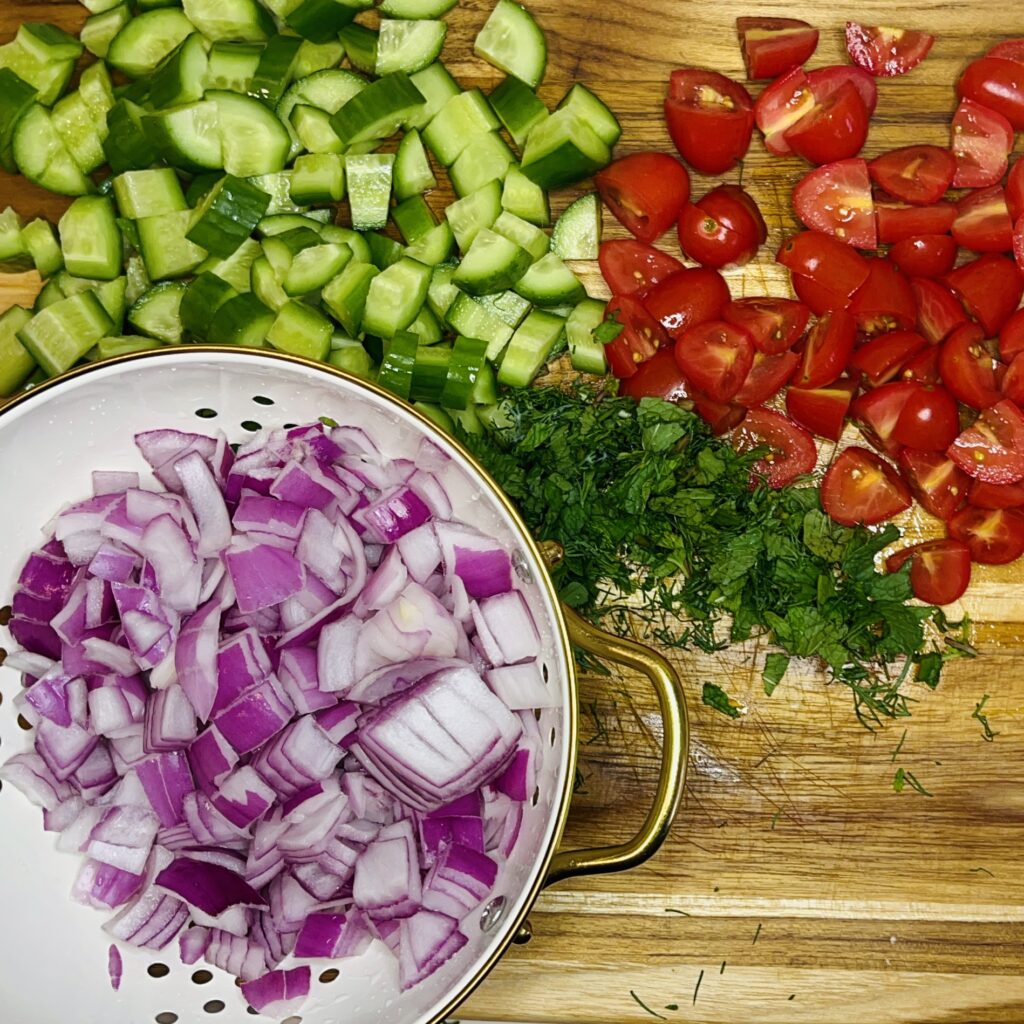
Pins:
<point x="462" y="120"/>
<point x="254" y="140"/>
<point x="237" y="20"/>
<point x="471" y="214"/>
<point x="369" y="188"/>
<point x="14" y="255"/>
<point x="202" y="298"/>
<point x="279" y="187"/>
<point x="442" y="293"/>
<point x="318" y="178"/>
<point x="127" y="146"/>
<point x="416" y="8"/>
<point x="312" y="127"/>
<point x="399" y="363"/>
<point x="113" y="347"/>
<point x="242" y="321"/>
<point x="48" y="295"/>
<point x="40" y="240"/>
<point x="227" y="216"/>
<point x="345" y="296"/>
<point x="468" y="359"/>
<point x="353" y="239"/>
<point x="231" y="66"/>
<point x="112" y="294"/>
<point x="326" y="90"/>
<point x="322" y="20"/>
<point x="408" y="46"/>
<point x="434" y="247"/>
<point x="90" y="240"/>
<point x="486" y="159"/>
<point x="587" y="355"/>
<point x="276" y="70"/>
<point x="46" y="43"/>
<point x="301" y="331"/>
<point x="99" y="6"/>
<point x="577" y="235"/>
<point x="16" y="99"/>
<point x="413" y="218"/>
<point x="148" y="193"/>
<point x="474" y="320"/>
<point x="377" y="111"/>
<point x="100" y="30"/>
<point x="59" y="335"/>
<point x="314" y="57"/>
<point x="181" y="78"/>
<point x="281" y="250"/>
<point x="384" y="251"/>
<point x="413" y="174"/>
<point x="395" y="298"/>
<point x="81" y="131"/>
<point x="266" y="284"/>
<point x="165" y="247"/>
<point x="188" y="137"/>
<point x="237" y="268"/>
<point x="437" y="87"/>
<point x="525" y="198"/>
<point x="426" y="327"/>
<point x="595" y="113"/>
<point x="530" y="348"/>
<point x="97" y="90"/>
<point x="16" y="362"/>
<point x="524" y="234"/>
<point x="492" y="264"/>
<point x="360" y="47"/>
<point x="138" y="282"/>
<point x="43" y="158"/>
<point x="549" y="282"/>
<point x="562" y="150"/>
<point x="147" y="39"/>
<point x="158" y="313"/>
<point x="349" y="355"/>
<point x="509" y="307"/>
<point x="513" y="42"/>
<point x="430" y="373"/>
<point x="315" y="267"/>
<point x="518" y="108"/>
<point x="48" y="77"/>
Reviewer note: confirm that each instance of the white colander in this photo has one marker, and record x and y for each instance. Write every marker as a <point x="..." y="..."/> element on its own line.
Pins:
<point x="53" y="953"/>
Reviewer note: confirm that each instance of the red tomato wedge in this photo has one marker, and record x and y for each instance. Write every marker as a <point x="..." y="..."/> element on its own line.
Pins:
<point x="885" y="301"/>
<point x="825" y="81"/>
<point x="939" y="569"/>
<point x="771" y="46"/>
<point x="690" y="296"/>
<point x="780" y="106"/>
<point x="968" y="368"/>
<point x="818" y="298"/>
<point x="1011" y="337"/>
<point x="722" y="229"/>
<point x="645" y="192"/>
<point x="1011" y="49"/>
<point x="877" y="412"/>
<point x="1012" y="385"/>
<point x="835" y="128"/>
<point x="886" y="52"/>
<point x="920" y="175"/>
<point x="938" y="484"/>
<point x="924" y="255"/>
<point x="836" y="199"/>
<point x="990" y="288"/>
<point x="860" y="487"/>
<point x="775" y="325"/>
<point x="720" y="417"/>
<point x="715" y="357"/>
<point x="996" y="83"/>
<point x="821" y="410"/>
<point x="1015" y="190"/>
<point x="897" y="221"/>
<point x="983" y="220"/>
<point x="994" y="536"/>
<point x="767" y="375"/>
<point x="881" y="359"/>
<point x="939" y="313"/>
<point x="929" y="419"/>
<point x="992" y="448"/>
<point x="983" y="495"/>
<point x="632" y="267"/>
<point x="923" y="367"/>
<point x="981" y="141"/>
<point x="1018" y="242"/>
<point x="657" y="377"/>
<point x="825" y="260"/>
<point x="792" y="451"/>
<point x="640" y="338"/>
<point x="710" y="118"/>
<point x="826" y="351"/>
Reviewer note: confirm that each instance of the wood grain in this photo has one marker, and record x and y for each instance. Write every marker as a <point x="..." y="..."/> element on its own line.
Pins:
<point x="797" y="886"/>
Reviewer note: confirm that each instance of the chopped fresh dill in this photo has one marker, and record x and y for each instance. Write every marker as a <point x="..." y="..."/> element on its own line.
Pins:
<point x="987" y="734"/>
<point x="700" y="978"/>
<point x="645" y="1007"/>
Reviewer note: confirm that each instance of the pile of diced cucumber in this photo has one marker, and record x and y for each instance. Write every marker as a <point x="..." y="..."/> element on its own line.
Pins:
<point x="208" y="187"/>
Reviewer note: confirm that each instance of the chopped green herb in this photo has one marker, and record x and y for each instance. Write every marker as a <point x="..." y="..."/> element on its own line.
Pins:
<point x="899" y="746"/>
<point x="988" y="735"/>
<point x="722" y="970"/>
<point x="791" y="998"/>
<point x="985" y="870"/>
<point x="645" y="1007"/>
<point x="903" y="778"/>
<point x="608" y="330"/>
<point x="671" y="1006"/>
<point x="775" y="819"/>
<point x="700" y="978"/>
<point x="775" y="666"/>
<point x="756" y="934"/>
<point x="672" y="910"/>
<point x="715" y="697"/>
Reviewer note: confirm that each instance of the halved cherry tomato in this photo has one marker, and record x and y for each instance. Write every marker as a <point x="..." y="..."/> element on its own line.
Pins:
<point x="995" y="536"/>
<point x="937" y="482"/>
<point x="836" y="199"/>
<point x="632" y="267"/>
<point x="1011" y="337"/>
<point x="657" y="377"/>
<point x="818" y="298"/>
<point x="992" y="448"/>
<point x="877" y="412"/>
<point x="1015" y="190"/>
<point x="834" y="129"/>
<point x="859" y="487"/>
<point x="996" y="83"/>
<point x="897" y="221"/>
<point x="981" y="141"/>
<point x="1013" y="383"/>
<point x="640" y="338"/>
<point x="1018" y="242"/>
<point x="780" y="106"/>
<point x="939" y="569"/>
<point x="923" y="367"/>
<point x="710" y="119"/>
<point x="1011" y="49"/>
<point x="825" y="81"/>
<point x="983" y="495"/>
<point x="983" y="220"/>
<point x="886" y="52"/>
<point x="767" y="375"/>
<point x="929" y="420"/>
<point x="924" y="255"/>
<point x="720" y="417"/>
<point x="939" y="312"/>
<point x="792" y="451"/>
<point x="690" y="296"/>
<point x="645" y="192"/>
<point x="825" y="260"/>
<point x="716" y="357"/>
<point x="885" y="301"/>
<point x="771" y="46"/>
<point x="722" y="229"/>
<point x="881" y="359"/>
<point x="990" y="288"/>
<point x="968" y="368"/>
<point x="826" y="350"/>
<point x="775" y="325"/>
<point x="821" y="410"/>
<point x="920" y="175"/>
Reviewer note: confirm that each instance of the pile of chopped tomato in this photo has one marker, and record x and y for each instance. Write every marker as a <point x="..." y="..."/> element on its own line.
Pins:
<point x="905" y="317"/>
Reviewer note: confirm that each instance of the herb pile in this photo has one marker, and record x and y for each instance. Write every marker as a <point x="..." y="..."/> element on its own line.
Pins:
<point x="658" y="520"/>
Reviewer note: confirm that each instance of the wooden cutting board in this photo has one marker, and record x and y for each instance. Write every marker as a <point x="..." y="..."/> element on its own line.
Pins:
<point x="797" y="886"/>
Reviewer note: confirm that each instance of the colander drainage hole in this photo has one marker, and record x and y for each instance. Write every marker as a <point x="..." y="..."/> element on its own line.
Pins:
<point x="166" y="1018"/>
<point x="5" y="614"/>
<point x="553" y="735"/>
<point x="292" y="1020"/>
<point x="3" y="655"/>
<point x="252" y="426"/>
<point x="206" y="414"/>
<point x="250" y="1010"/>
<point x="158" y="970"/>
<point x="24" y="723"/>
<point x="331" y="974"/>
<point x="535" y="797"/>
<point x="262" y="400"/>
<point x="213" y="1006"/>
<point x="202" y="978"/>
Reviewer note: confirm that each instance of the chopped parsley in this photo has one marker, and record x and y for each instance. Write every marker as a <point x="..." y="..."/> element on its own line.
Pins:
<point x="715" y="697"/>
<point x="608" y="330"/>
<point x="987" y="734"/>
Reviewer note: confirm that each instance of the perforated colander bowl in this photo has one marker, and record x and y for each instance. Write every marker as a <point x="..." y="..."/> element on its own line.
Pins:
<point x="53" y="952"/>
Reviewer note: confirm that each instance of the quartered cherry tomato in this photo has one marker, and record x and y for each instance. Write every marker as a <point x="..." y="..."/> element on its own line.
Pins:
<point x="720" y="417"/>
<point x="983" y="495"/>
<point x="690" y="296"/>
<point x="939" y="569"/>
<point x="836" y="199"/>
<point x="923" y="367"/>
<point x="632" y="267"/>
<point x="924" y="255"/>
<point x="983" y="220"/>
<point x="996" y="83"/>
<point x="968" y="367"/>
<point x="818" y="297"/>
<point x="994" y="536"/>
<point x="710" y="119"/>
<point x="657" y="377"/>
<point x="885" y="301"/>
<point x="775" y="325"/>
<point x="920" y="175"/>
<point x="1011" y="337"/>
<point x="990" y="288"/>
<point x="792" y="451"/>
<point x="981" y="141"/>
<point x="645" y="192"/>
<point x="780" y="106"/>
<point x="825" y="81"/>
<point x="937" y="482"/>
<point x="1012" y="384"/>
<point x="1015" y="190"/>
<point x="716" y="357"/>
<point x="824" y="260"/>
<point x="722" y="229"/>
<point x="886" y="52"/>
<point x="881" y="359"/>
<point x="771" y="46"/>
<point x="1018" y="242"/>
<point x="860" y="487"/>
<point x="835" y="128"/>
<point x="939" y="313"/>
<point x="897" y="221"/>
<point x="929" y="419"/>
<point x="877" y="412"/>
<point x="992" y="448"/>
<point x="821" y="410"/>
<point x="768" y="374"/>
<point x="826" y="350"/>
<point x="640" y="338"/>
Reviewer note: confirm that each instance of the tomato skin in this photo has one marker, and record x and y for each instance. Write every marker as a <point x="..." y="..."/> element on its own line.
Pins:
<point x="886" y="52"/>
<point x="771" y="46"/>
<point x="860" y="487"/>
<point x="825" y="81"/>
<point x="920" y="175"/>
<point x="1012" y="385"/>
<point x="657" y="377"/>
<point x="775" y="325"/>
<point x="880" y="360"/>
<point x="780" y="106"/>
<point x="826" y="350"/>
<point x="768" y="374"/>
<point x="983" y="495"/>
<point x="1015" y="190"/>
<point x="929" y="420"/>
<point x="710" y="118"/>
<point x="690" y="296"/>
<point x="720" y="417"/>
<point x="793" y="451"/>
<point x="834" y="129"/>
<point x="990" y="288"/>
<point x="640" y="338"/>
<point x="824" y="259"/>
<point x="630" y="267"/>
<point x="1011" y="337"/>
<point x="992" y="448"/>
<point x="836" y="199"/>
<point x="924" y="255"/>
<point x="940" y="570"/>
<point x="994" y="536"/>
<point x="716" y="357"/>
<point x="877" y="412"/>
<point x="885" y="301"/>
<point x="645" y="192"/>
<point x="939" y="313"/>
<point x="821" y="410"/>
<point x="923" y="367"/>
<point x="819" y="298"/>
<point x="981" y="142"/>
<point x="897" y="221"/>
<point x="996" y="83"/>
<point x="935" y="480"/>
<point x="722" y="229"/>
<point x="968" y="368"/>
<point x="983" y="221"/>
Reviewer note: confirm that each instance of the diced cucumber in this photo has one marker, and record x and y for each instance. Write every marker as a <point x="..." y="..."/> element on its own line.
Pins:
<point x="485" y="159"/>
<point x="127" y="146"/>
<point x="474" y="320"/>
<point x="189" y="136"/>
<point x="492" y="264"/>
<point x="90" y="240"/>
<point x="350" y="356"/>
<point x="165" y="246"/>
<point x="507" y="306"/>
<point x="318" y="178"/>
<point x="434" y="247"/>
<point x="100" y="30"/>
<point x="276" y="69"/>
<point x="426" y="327"/>
<point x="549" y="282"/>
<point x="513" y="42"/>
<point x="430" y="373"/>
<point x="442" y="293"/>
<point x="398" y="364"/>
<point x="360" y="47"/>
<point x="231" y="66"/>
<point x="312" y="127"/>
<point x="377" y="111"/>
<point x="227" y="216"/>
<point x="112" y="294"/>
<point x="471" y="214"/>
<point x="48" y="295"/>
<point x="16" y="99"/>
<point x="406" y="45"/>
<point x="467" y="362"/>
<point x="237" y="268"/>
<point x="81" y="131"/>
<point x="577" y="235"/>
<point x="242" y="321"/>
<point x="97" y="90"/>
<point x="518" y="108"/>
<point x="40" y="240"/>
<point x="99" y="6"/>
<point x="322" y="20"/>
<point x="353" y="239"/>
<point x="282" y="249"/>
<point x="523" y="233"/>
<point x="416" y="8"/>
<point x="47" y="43"/>
<point x="253" y="138"/>
<point x="148" y="193"/>
<point x="530" y="348"/>
<point x="595" y="113"/>
<point x="48" y="77"/>
<point x="266" y="284"/>
<point x="486" y="390"/>
<point x="237" y="20"/>
<point x="202" y="298"/>
<point x="345" y="296"/>
<point x="16" y="362"/>
<point x="326" y="90"/>
<point x="59" y="335"/>
<point x="301" y="331"/>
<point x="138" y="282"/>
<point x="314" y="57"/>
<point x="279" y="187"/>
<point x="115" y="346"/>
<point x="413" y="174"/>
<point x="369" y="188"/>
<point x="413" y="218"/>
<point x="562" y="150"/>
<point x="43" y="158"/>
<point x="436" y="86"/>
<point x="158" y="313"/>
<point x="395" y="298"/>
<point x="463" y="119"/>
<point x="14" y="255"/>
<point x="147" y="39"/>
<point x="384" y="251"/>
<point x="587" y="354"/>
<point x="315" y="267"/>
<point x="181" y="77"/>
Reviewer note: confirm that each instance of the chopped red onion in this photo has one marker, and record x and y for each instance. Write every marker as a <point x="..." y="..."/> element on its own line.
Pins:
<point x="115" y="967"/>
